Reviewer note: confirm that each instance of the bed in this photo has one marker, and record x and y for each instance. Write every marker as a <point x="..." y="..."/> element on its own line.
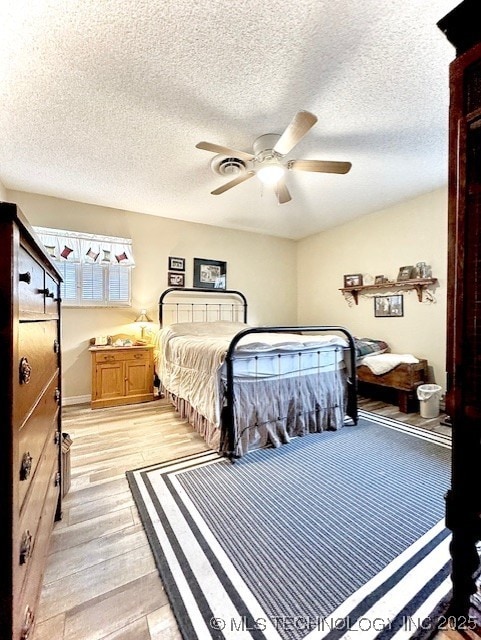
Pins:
<point x="245" y="387"/>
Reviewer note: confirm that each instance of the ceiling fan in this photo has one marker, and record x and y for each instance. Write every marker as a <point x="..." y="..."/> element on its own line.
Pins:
<point x="267" y="161"/>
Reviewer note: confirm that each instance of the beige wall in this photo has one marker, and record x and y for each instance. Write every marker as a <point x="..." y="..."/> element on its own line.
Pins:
<point x="265" y="269"/>
<point x="262" y="267"/>
<point x="3" y="193"/>
<point x="377" y="244"/>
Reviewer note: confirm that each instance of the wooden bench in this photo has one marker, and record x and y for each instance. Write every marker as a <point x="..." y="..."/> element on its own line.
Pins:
<point x="404" y="379"/>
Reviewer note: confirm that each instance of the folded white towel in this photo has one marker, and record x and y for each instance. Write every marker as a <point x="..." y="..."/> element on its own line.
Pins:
<point x="384" y="362"/>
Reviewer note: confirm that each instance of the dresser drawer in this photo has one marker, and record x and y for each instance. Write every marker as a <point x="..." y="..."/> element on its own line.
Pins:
<point x="38" y="361"/>
<point x="31" y="275"/>
<point x="28" y="580"/>
<point x="52" y="295"/>
<point x="121" y="355"/>
<point x="44" y="488"/>
<point x="38" y="437"/>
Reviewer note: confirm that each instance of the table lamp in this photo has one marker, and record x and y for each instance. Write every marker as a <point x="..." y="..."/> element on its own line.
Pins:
<point x="144" y="320"/>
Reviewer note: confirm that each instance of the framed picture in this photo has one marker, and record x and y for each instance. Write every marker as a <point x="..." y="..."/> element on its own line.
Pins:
<point x="176" y="279"/>
<point x="209" y="274"/>
<point x="176" y="264"/>
<point x="388" y="306"/>
<point x="353" y="280"/>
<point x="405" y="273"/>
<point x="379" y="280"/>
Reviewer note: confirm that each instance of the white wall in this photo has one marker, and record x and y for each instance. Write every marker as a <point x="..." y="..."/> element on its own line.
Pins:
<point x="377" y="244"/>
<point x="262" y="267"/>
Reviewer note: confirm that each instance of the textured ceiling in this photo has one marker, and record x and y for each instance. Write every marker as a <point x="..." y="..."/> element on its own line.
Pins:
<point x="103" y="101"/>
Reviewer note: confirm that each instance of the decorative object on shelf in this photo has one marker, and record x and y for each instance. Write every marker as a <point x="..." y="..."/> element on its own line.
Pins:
<point x="176" y="264"/>
<point x="388" y="306"/>
<point x="209" y="274"/>
<point x="380" y="280"/>
<point x="405" y="273"/>
<point x="175" y="279"/>
<point x="144" y="320"/>
<point x="422" y="270"/>
<point x="353" y="280"/>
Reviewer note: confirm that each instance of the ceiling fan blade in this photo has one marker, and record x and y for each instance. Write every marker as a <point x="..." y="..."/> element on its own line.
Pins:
<point x="321" y="166"/>
<point x="282" y="191"/>
<point x="217" y="148"/>
<point x="295" y="131"/>
<point x="233" y="183"/>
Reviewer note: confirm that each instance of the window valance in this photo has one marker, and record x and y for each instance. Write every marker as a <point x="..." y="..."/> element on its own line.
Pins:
<point x="73" y="246"/>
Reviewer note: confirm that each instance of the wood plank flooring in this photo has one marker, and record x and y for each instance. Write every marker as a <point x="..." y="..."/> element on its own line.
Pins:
<point x="101" y="582"/>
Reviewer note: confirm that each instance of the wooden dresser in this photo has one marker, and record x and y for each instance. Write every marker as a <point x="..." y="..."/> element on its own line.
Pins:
<point x="30" y="460"/>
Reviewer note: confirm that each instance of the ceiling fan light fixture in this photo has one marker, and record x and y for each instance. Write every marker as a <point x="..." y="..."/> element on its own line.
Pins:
<point x="271" y="173"/>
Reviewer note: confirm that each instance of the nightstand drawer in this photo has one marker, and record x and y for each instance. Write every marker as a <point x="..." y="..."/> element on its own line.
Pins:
<point x="121" y="355"/>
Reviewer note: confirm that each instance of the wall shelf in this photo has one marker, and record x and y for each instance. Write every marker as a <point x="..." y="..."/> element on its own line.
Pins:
<point x="419" y="284"/>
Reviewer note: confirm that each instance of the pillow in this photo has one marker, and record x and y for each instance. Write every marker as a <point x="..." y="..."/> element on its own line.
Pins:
<point x="220" y="328"/>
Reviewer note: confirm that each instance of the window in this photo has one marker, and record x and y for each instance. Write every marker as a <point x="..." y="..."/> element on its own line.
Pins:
<point x="96" y="270"/>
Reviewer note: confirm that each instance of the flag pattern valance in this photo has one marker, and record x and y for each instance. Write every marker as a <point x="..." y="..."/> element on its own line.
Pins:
<point x="73" y="246"/>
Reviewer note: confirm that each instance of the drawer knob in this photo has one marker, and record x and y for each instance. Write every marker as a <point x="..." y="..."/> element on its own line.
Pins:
<point x="25" y="371"/>
<point x="26" y="467"/>
<point x="25" y="277"/>
<point x="138" y="355"/>
<point x="27" y="624"/>
<point x="25" y="546"/>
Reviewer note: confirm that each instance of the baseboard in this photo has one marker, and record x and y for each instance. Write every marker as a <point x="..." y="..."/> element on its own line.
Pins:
<point x="76" y="400"/>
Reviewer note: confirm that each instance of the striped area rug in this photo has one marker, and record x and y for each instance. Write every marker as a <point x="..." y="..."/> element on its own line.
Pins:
<point x="328" y="536"/>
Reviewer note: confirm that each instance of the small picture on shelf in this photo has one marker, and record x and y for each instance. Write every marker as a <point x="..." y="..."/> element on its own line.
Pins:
<point x="405" y="273"/>
<point x="380" y="280"/>
<point x="353" y="280"/>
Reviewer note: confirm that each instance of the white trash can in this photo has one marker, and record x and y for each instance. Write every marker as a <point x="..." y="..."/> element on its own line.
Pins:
<point x="429" y="396"/>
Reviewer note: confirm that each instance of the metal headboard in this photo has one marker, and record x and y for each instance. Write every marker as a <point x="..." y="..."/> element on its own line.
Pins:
<point x="205" y="311"/>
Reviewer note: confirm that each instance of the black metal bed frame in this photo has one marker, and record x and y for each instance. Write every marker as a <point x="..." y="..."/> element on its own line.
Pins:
<point x="228" y="421"/>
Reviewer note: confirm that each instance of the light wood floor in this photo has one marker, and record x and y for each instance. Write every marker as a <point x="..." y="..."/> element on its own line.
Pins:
<point x="101" y="582"/>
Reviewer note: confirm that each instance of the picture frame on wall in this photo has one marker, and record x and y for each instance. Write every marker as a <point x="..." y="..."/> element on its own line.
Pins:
<point x="389" y="306"/>
<point x="176" y="264"/>
<point x="353" y="280"/>
<point x="175" y="279"/>
<point x="209" y="274"/>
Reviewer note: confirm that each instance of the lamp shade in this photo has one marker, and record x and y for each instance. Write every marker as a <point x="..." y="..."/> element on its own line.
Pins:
<point x="143" y="316"/>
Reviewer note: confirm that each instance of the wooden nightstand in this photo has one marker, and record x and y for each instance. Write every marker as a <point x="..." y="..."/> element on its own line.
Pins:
<point x="122" y="375"/>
